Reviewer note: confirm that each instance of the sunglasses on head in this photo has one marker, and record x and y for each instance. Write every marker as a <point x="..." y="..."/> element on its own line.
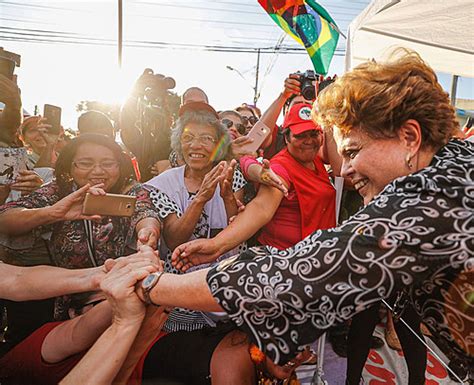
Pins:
<point x="229" y="123"/>
<point x="252" y="120"/>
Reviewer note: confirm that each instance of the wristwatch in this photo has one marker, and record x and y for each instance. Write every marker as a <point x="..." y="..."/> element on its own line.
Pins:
<point x="148" y="284"/>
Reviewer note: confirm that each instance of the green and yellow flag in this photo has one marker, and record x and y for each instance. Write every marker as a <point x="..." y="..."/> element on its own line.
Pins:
<point x="310" y="25"/>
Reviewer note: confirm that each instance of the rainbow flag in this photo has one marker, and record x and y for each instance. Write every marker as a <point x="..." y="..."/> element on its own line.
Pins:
<point x="310" y="25"/>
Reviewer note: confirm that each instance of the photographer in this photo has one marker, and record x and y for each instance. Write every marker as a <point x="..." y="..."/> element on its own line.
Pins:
<point x="145" y="120"/>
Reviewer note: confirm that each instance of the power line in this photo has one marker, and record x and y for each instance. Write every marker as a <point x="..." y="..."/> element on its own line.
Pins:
<point x="162" y="45"/>
<point x="45" y="7"/>
<point x="262" y="11"/>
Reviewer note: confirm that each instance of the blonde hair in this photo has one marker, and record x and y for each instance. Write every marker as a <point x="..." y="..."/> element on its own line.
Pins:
<point x="379" y="98"/>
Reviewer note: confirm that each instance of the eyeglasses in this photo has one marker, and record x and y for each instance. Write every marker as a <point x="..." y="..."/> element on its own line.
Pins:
<point x="252" y="120"/>
<point x="204" y="140"/>
<point x="88" y="165"/>
<point x="239" y="126"/>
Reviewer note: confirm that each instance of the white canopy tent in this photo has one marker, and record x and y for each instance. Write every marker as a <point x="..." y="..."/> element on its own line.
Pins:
<point x="441" y="31"/>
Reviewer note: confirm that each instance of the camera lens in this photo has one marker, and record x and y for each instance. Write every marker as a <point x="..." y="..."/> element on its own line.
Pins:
<point x="308" y="92"/>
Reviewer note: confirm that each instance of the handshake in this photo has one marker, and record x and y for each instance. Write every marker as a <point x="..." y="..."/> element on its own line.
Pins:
<point x="126" y="281"/>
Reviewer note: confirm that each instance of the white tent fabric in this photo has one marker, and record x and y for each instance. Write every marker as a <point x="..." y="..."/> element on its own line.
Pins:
<point x="440" y="31"/>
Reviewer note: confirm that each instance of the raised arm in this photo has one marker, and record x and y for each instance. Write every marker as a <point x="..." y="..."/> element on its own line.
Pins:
<point x="114" y="344"/>
<point x="10" y="117"/>
<point x="270" y="116"/>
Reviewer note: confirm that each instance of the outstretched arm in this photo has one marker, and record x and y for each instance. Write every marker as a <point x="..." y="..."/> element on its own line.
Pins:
<point x="40" y="282"/>
<point x="22" y="220"/>
<point x="256" y="215"/>
<point x="189" y="291"/>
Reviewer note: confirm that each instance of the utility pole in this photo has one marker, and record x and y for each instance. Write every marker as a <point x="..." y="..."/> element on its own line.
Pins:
<point x="120" y="32"/>
<point x="255" y="95"/>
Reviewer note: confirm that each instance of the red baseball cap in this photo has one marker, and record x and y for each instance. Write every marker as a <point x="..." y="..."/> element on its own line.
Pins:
<point x="197" y="106"/>
<point x="298" y="119"/>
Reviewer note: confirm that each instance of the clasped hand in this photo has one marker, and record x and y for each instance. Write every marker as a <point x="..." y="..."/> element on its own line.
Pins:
<point x="121" y="280"/>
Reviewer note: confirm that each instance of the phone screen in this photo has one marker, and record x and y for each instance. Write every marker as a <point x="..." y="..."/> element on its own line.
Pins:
<point x="53" y="118"/>
<point x="7" y="68"/>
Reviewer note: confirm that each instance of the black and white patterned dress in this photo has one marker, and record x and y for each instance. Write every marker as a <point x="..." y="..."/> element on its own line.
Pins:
<point x="417" y="233"/>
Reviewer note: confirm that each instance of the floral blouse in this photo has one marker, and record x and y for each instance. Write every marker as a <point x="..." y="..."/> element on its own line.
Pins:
<point x="418" y="234"/>
<point x="68" y="241"/>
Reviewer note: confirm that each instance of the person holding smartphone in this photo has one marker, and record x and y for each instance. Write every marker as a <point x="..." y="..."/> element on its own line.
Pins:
<point x="39" y="142"/>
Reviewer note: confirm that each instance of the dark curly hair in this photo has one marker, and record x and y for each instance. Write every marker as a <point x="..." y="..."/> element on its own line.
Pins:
<point x="64" y="162"/>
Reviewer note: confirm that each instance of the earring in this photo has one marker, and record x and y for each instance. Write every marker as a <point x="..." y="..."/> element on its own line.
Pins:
<point x="408" y="161"/>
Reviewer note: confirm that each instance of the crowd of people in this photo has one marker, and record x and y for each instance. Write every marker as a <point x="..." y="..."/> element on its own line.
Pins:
<point x="235" y="261"/>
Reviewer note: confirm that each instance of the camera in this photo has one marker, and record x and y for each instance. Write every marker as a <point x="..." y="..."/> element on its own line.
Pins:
<point x="8" y="61"/>
<point x="307" y="84"/>
<point x="155" y="86"/>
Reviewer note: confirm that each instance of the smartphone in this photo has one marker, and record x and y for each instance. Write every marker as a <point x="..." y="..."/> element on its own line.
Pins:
<point x="7" y="67"/>
<point x="258" y="133"/>
<point x="109" y="205"/>
<point x="53" y="118"/>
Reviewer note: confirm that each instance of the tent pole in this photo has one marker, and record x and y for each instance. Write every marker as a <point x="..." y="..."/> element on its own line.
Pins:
<point x="454" y="89"/>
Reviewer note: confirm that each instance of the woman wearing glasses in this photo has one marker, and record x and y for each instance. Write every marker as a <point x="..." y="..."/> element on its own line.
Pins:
<point x="205" y="191"/>
<point x="234" y="123"/>
<point x="248" y="116"/>
<point x="76" y="240"/>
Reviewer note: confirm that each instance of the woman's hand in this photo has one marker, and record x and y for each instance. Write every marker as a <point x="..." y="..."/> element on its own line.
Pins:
<point x="210" y="182"/>
<point x="27" y="182"/>
<point x="268" y="177"/>
<point x="226" y="181"/>
<point x="119" y="287"/>
<point x="148" y="232"/>
<point x="194" y="253"/>
<point x="239" y="147"/>
<point x="70" y="207"/>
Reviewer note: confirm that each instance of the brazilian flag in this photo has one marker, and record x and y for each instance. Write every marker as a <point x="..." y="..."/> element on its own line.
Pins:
<point x="310" y="25"/>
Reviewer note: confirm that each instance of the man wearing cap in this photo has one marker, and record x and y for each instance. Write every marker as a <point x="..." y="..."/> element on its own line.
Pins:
<point x="284" y="220"/>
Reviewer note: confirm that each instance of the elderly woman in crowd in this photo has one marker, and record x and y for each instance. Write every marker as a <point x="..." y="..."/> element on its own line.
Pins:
<point x="205" y="191"/>
<point x="394" y="126"/>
